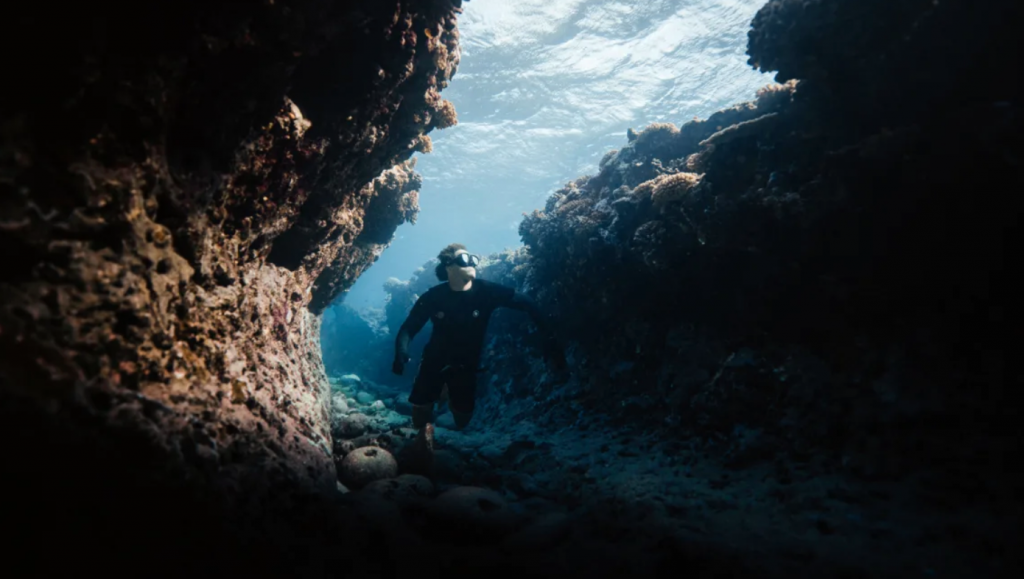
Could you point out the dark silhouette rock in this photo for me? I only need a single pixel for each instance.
(186, 186)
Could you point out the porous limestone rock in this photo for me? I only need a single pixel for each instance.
(402, 489)
(186, 187)
(339, 404)
(365, 465)
(350, 426)
(402, 405)
(468, 510)
(543, 533)
(350, 380)
(342, 448)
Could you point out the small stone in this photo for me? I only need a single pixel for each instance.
(544, 533)
(402, 489)
(350, 426)
(342, 489)
(343, 447)
(446, 421)
(339, 404)
(403, 406)
(448, 465)
(364, 465)
(376, 407)
(350, 380)
(472, 512)
(387, 421)
(364, 398)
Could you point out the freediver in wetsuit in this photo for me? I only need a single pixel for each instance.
(459, 309)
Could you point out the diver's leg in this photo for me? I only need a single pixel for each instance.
(462, 390)
(422, 414)
(426, 389)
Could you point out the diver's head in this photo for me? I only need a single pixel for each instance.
(457, 266)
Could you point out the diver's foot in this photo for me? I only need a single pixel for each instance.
(426, 438)
(418, 457)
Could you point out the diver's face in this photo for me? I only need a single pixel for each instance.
(458, 273)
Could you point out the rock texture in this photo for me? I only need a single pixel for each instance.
(810, 264)
(788, 323)
(366, 465)
(184, 188)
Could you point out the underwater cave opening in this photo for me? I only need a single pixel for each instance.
(767, 353)
(785, 322)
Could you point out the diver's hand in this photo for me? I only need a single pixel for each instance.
(398, 366)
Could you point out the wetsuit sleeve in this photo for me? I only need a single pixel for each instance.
(517, 301)
(413, 324)
(501, 296)
(553, 353)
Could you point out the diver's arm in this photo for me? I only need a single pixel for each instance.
(413, 324)
(521, 303)
(552, 349)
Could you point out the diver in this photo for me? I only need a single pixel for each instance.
(459, 309)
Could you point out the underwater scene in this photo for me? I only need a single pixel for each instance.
(482, 288)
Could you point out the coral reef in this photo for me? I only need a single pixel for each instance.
(391, 199)
(783, 267)
(788, 320)
(184, 189)
(816, 297)
(808, 287)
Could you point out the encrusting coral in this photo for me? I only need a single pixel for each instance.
(187, 186)
(667, 189)
(445, 115)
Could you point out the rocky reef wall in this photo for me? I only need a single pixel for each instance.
(184, 187)
(824, 266)
(789, 325)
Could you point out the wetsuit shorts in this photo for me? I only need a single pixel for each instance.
(433, 376)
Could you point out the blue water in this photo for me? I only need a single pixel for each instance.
(544, 89)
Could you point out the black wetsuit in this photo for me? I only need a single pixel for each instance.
(452, 356)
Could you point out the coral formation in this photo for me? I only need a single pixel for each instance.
(445, 115)
(794, 289)
(671, 188)
(787, 315)
(424, 145)
(786, 320)
(184, 189)
(802, 289)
